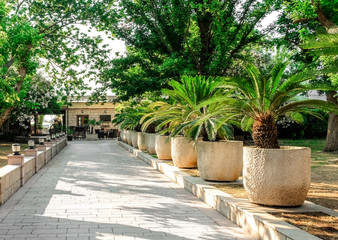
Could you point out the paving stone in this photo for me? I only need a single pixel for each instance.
(97, 190)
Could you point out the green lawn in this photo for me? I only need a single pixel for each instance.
(317, 146)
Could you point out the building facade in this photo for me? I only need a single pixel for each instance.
(80, 113)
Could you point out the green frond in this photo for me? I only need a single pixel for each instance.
(321, 41)
(306, 104)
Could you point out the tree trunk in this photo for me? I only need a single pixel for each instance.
(5, 115)
(331, 143)
(265, 134)
(204, 20)
(330, 26)
(35, 123)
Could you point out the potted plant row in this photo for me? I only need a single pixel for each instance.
(199, 117)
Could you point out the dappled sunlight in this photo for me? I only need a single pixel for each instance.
(103, 197)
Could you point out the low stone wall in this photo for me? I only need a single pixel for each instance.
(13, 176)
(58, 146)
(48, 154)
(54, 150)
(28, 168)
(9, 181)
(41, 160)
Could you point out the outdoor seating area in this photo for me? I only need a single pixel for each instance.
(105, 134)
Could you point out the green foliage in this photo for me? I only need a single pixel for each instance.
(40, 122)
(258, 96)
(129, 117)
(312, 127)
(39, 98)
(194, 110)
(46, 34)
(326, 47)
(169, 39)
(306, 24)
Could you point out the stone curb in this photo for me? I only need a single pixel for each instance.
(254, 219)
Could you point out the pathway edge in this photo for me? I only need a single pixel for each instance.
(255, 222)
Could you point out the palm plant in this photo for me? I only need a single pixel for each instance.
(262, 99)
(129, 118)
(192, 110)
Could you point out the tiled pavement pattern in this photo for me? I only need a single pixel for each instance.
(96, 190)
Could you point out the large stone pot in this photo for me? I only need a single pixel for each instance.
(125, 136)
(122, 134)
(150, 138)
(277, 177)
(183, 153)
(220, 161)
(141, 141)
(134, 136)
(129, 137)
(163, 147)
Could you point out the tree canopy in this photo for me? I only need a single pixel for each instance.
(47, 34)
(167, 39)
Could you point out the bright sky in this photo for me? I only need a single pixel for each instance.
(115, 46)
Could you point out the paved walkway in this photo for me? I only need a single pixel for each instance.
(97, 190)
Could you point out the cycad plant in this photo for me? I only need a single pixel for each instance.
(261, 99)
(192, 110)
(129, 118)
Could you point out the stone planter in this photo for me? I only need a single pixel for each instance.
(183, 153)
(277, 177)
(129, 137)
(220, 161)
(150, 138)
(141, 141)
(134, 136)
(122, 134)
(163, 147)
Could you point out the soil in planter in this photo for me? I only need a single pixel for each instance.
(236, 190)
(316, 223)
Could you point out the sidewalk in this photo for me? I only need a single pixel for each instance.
(96, 190)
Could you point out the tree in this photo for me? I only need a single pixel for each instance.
(262, 98)
(168, 39)
(41, 33)
(307, 17)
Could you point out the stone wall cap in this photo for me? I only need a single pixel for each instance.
(28, 159)
(7, 169)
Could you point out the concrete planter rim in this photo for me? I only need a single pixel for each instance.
(220, 141)
(282, 148)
